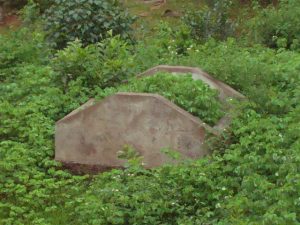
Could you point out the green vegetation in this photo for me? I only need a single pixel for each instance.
(278, 28)
(106, 63)
(193, 96)
(212, 22)
(252, 177)
(86, 20)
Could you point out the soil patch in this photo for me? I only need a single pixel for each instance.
(10, 20)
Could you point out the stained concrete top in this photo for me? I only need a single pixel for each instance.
(94, 134)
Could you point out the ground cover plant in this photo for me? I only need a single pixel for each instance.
(252, 177)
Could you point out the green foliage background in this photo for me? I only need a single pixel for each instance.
(253, 176)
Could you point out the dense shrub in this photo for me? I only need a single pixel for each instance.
(277, 27)
(30, 14)
(193, 96)
(97, 65)
(89, 21)
(212, 22)
(18, 48)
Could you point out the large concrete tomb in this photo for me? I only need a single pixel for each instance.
(93, 134)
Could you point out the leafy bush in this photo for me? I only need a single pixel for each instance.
(21, 47)
(30, 14)
(89, 21)
(192, 95)
(277, 27)
(97, 65)
(174, 41)
(169, 46)
(212, 22)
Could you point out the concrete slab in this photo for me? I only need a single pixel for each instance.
(147, 122)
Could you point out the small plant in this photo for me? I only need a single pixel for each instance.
(97, 65)
(89, 21)
(132, 157)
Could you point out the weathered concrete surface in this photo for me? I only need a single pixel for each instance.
(93, 134)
